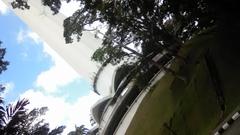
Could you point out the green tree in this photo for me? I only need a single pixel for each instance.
(81, 130)
(17, 120)
(153, 25)
(3, 63)
(12, 116)
(21, 4)
(3, 67)
(138, 22)
(156, 26)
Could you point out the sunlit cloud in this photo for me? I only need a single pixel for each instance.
(25, 34)
(24, 54)
(20, 36)
(69, 8)
(60, 74)
(34, 36)
(60, 111)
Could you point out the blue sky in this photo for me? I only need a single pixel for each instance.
(32, 62)
(22, 58)
(27, 61)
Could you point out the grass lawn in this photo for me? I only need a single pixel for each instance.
(190, 107)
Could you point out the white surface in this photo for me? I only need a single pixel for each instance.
(235, 116)
(225, 126)
(105, 117)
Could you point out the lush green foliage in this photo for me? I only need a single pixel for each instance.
(17, 120)
(3, 66)
(21, 4)
(81, 130)
(154, 25)
(3, 63)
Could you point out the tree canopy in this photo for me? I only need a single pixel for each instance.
(152, 25)
(17, 120)
(3, 63)
(81, 130)
(3, 67)
(155, 26)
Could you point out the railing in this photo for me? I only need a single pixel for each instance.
(226, 124)
(151, 83)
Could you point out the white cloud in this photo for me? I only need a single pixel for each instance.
(60, 74)
(20, 36)
(34, 36)
(61, 112)
(8, 87)
(24, 35)
(3, 8)
(69, 8)
(24, 54)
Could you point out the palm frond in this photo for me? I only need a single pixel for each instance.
(13, 116)
(57, 130)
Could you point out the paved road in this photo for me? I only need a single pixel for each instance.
(234, 129)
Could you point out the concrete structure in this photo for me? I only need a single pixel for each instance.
(78, 55)
(114, 114)
(229, 126)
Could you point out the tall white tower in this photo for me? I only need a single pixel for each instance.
(78, 55)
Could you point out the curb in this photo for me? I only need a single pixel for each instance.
(227, 124)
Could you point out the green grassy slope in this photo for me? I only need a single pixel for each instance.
(190, 107)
